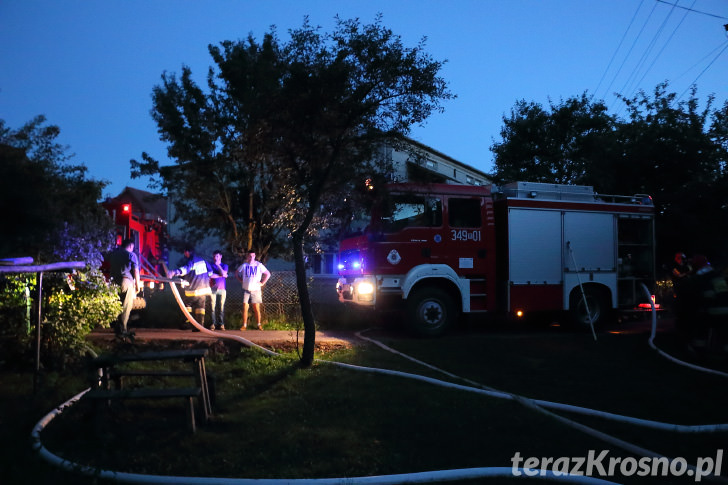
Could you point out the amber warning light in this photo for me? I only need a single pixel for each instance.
(648, 306)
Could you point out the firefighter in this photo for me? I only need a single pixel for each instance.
(197, 272)
(124, 269)
(679, 273)
(680, 267)
(705, 297)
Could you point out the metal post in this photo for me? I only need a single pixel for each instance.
(37, 330)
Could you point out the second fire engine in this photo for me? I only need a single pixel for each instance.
(437, 251)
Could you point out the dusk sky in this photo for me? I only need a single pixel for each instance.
(90, 66)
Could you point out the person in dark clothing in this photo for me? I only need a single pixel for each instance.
(705, 299)
(218, 277)
(680, 267)
(124, 266)
(679, 273)
(197, 272)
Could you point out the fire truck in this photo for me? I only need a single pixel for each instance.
(148, 230)
(438, 251)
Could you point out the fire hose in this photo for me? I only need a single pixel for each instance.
(421, 477)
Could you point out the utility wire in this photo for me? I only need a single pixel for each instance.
(703, 71)
(691, 10)
(665, 45)
(617, 49)
(709, 54)
(643, 59)
(632, 47)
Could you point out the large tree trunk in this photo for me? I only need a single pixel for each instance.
(309, 326)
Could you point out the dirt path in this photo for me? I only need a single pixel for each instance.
(265, 338)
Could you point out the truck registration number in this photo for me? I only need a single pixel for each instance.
(464, 235)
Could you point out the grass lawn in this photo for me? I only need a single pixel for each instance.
(275, 420)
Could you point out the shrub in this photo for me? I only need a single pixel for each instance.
(71, 312)
(16, 316)
(72, 308)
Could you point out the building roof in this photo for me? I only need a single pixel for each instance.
(145, 202)
(465, 166)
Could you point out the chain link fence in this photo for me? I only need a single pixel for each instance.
(280, 297)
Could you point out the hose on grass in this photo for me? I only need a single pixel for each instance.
(421, 477)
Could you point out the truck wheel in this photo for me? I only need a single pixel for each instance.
(595, 301)
(431, 311)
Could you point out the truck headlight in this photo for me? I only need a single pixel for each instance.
(365, 288)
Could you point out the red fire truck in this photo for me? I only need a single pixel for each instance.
(437, 251)
(148, 230)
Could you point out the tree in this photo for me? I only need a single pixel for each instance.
(677, 153)
(345, 94)
(55, 208)
(52, 213)
(289, 132)
(222, 182)
(667, 148)
(558, 145)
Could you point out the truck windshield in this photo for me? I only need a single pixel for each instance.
(411, 211)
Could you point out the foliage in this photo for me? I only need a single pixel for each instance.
(72, 307)
(70, 314)
(223, 182)
(665, 147)
(55, 217)
(288, 132)
(51, 199)
(558, 145)
(17, 316)
(672, 150)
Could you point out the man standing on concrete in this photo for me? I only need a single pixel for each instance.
(253, 275)
(218, 276)
(125, 273)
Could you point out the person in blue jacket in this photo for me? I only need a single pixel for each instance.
(197, 273)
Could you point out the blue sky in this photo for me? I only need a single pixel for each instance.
(90, 66)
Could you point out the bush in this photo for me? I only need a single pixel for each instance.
(71, 313)
(16, 317)
(72, 308)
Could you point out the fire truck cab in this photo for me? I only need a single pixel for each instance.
(439, 250)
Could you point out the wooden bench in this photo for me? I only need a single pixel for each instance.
(188, 393)
(117, 375)
(112, 368)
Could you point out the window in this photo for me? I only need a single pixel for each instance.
(464, 212)
(473, 181)
(408, 210)
(329, 263)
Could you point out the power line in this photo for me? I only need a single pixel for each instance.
(703, 71)
(631, 47)
(643, 59)
(709, 54)
(665, 45)
(692, 10)
(617, 49)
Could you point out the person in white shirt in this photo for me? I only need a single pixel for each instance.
(253, 275)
